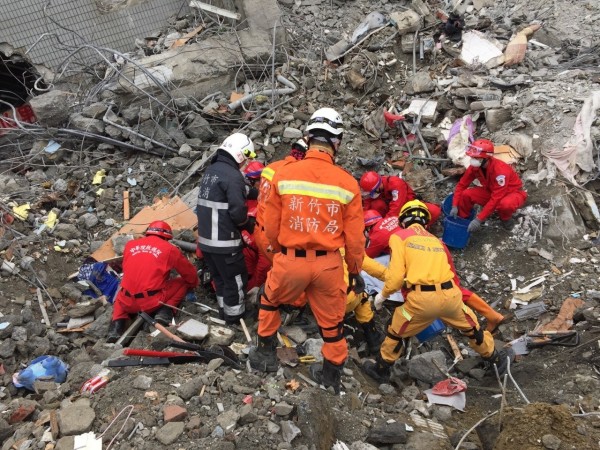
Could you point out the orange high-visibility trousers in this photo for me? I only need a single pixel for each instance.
(322, 279)
(476, 303)
(422, 308)
(263, 243)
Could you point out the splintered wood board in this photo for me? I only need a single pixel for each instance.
(172, 210)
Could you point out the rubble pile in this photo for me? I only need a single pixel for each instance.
(523, 74)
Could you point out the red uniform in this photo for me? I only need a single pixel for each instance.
(379, 237)
(147, 263)
(396, 192)
(257, 264)
(501, 190)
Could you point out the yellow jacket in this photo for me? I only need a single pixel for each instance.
(417, 257)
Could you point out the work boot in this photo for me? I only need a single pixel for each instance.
(263, 357)
(164, 316)
(115, 330)
(509, 224)
(500, 359)
(373, 336)
(327, 374)
(379, 370)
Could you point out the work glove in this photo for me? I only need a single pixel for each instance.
(454, 211)
(248, 225)
(355, 283)
(251, 193)
(475, 225)
(478, 335)
(378, 302)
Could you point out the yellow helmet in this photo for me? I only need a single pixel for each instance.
(415, 211)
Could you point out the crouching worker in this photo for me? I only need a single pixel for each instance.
(146, 284)
(419, 259)
(361, 306)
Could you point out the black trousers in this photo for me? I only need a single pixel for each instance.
(231, 276)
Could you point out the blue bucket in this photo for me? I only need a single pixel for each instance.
(436, 328)
(447, 207)
(455, 232)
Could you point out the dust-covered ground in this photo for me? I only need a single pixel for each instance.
(218, 407)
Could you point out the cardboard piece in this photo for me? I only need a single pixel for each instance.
(172, 210)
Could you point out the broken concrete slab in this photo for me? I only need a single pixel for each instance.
(196, 70)
(193, 329)
(76, 418)
(407, 21)
(52, 108)
(220, 335)
(480, 49)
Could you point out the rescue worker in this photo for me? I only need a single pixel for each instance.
(297, 153)
(501, 188)
(361, 306)
(252, 172)
(314, 209)
(378, 232)
(388, 194)
(257, 264)
(418, 259)
(222, 215)
(146, 284)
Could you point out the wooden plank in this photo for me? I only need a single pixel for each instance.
(186, 37)
(43, 307)
(172, 210)
(54, 428)
(454, 346)
(126, 212)
(215, 9)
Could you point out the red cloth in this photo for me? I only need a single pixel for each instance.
(147, 264)
(256, 263)
(501, 190)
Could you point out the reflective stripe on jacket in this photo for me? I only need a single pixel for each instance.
(221, 206)
(316, 205)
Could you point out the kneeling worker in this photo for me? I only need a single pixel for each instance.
(419, 259)
(146, 284)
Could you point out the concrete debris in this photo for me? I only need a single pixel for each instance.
(149, 120)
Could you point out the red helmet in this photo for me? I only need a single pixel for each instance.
(161, 229)
(370, 182)
(481, 148)
(253, 170)
(371, 217)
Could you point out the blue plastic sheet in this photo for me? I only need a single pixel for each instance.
(46, 367)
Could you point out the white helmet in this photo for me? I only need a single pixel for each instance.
(326, 119)
(239, 146)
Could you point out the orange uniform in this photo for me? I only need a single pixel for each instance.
(314, 209)
(266, 179)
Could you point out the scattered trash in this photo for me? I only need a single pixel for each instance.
(516, 48)
(43, 367)
(96, 383)
(478, 48)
